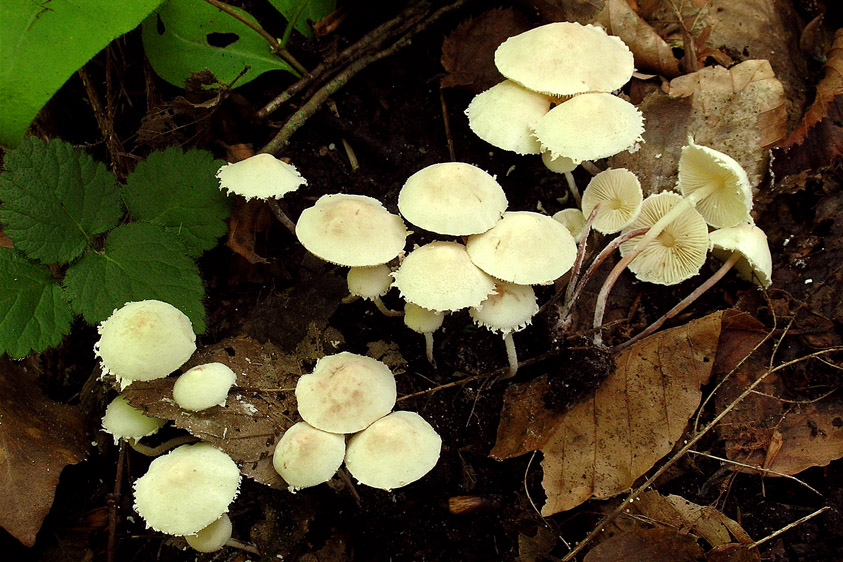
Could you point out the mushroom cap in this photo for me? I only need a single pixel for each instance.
(144, 340)
(213, 537)
(351, 230)
(346, 393)
(678, 252)
(452, 198)
(756, 265)
(306, 456)
(187, 489)
(525, 248)
(509, 309)
(505, 116)
(701, 167)
(590, 126)
(566, 58)
(573, 220)
(440, 276)
(619, 195)
(126, 422)
(422, 320)
(261, 176)
(396, 450)
(558, 164)
(369, 282)
(203, 386)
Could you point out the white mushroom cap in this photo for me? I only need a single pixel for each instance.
(505, 116)
(590, 126)
(558, 164)
(573, 220)
(509, 309)
(396, 450)
(345, 393)
(203, 386)
(306, 456)
(703, 168)
(213, 537)
(351, 230)
(678, 252)
(261, 176)
(756, 265)
(369, 282)
(144, 340)
(422, 320)
(187, 489)
(525, 248)
(619, 195)
(440, 276)
(452, 198)
(566, 58)
(125, 422)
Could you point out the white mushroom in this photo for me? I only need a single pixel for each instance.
(125, 422)
(306, 456)
(505, 116)
(261, 176)
(203, 386)
(213, 537)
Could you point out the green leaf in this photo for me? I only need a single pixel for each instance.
(43, 42)
(179, 41)
(179, 191)
(34, 314)
(140, 261)
(314, 11)
(55, 198)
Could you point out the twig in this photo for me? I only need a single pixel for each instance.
(163, 447)
(273, 43)
(114, 503)
(444, 386)
(786, 528)
(338, 82)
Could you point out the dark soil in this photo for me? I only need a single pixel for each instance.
(392, 115)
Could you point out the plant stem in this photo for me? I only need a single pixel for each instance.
(384, 310)
(684, 303)
(428, 348)
(572, 185)
(511, 355)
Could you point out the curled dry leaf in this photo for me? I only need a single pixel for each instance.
(601, 445)
(656, 544)
(38, 438)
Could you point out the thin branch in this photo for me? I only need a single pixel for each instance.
(765, 471)
(786, 528)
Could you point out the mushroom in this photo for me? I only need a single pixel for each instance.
(509, 309)
(213, 537)
(144, 340)
(125, 422)
(589, 127)
(351, 230)
(505, 116)
(203, 386)
(525, 248)
(440, 276)
(187, 489)
(396, 450)
(566, 166)
(371, 283)
(306, 456)
(573, 220)
(425, 322)
(617, 195)
(452, 198)
(565, 58)
(743, 247)
(345, 393)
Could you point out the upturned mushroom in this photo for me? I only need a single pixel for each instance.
(123, 421)
(617, 196)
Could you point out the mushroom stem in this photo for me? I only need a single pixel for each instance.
(279, 213)
(384, 310)
(575, 271)
(511, 355)
(163, 447)
(428, 348)
(684, 303)
(683, 205)
(572, 185)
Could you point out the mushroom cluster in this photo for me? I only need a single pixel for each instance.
(350, 394)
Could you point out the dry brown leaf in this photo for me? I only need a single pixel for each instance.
(651, 52)
(468, 51)
(647, 545)
(247, 219)
(38, 438)
(600, 446)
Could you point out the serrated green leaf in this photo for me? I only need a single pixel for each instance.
(55, 198)
(314, 11)
(140, 261)
(43, 43)
(179, 41)
(34, 314)
(179, 191)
